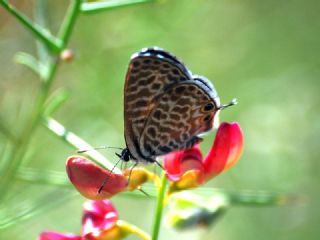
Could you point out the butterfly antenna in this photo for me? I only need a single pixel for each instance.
(159, 165)
(233, 102)
(144, 192)
(107, 178)
(97, 148)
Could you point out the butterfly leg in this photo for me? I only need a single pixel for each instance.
(136, 163)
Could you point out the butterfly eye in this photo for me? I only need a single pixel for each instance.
(207, 107)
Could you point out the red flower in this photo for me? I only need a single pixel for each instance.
(188, 169)
(58, 236)
(88, 177)
(99, 223)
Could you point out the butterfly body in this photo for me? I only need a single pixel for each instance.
(165, 106)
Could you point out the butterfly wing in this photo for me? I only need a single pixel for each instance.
(183, 111)
(151, 72)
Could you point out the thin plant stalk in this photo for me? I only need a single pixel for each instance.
(159, 208)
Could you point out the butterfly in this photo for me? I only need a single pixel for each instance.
(166, 107)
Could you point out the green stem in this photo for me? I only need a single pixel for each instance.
(78, 143)
(95, 7)
(127, 228)
(42, 34)
(69, 21)
(159, 208)
(259, 198)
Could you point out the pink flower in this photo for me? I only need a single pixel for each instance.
(87, 177)
(58, 236)
(99, 223)
(188, 169)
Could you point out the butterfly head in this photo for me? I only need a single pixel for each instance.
(125, 155)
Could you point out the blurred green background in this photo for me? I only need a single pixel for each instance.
(264, 53)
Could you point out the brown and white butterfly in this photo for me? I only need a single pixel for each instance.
(166, 107)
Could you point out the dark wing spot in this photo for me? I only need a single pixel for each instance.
(163, 71)
(191, 88)
(145, 73)
(184, 101)
(175, 116)
(141, 103)
(150, 79)
(155, 86)
(185, 109)
(208, 107)
(164, 116)
(136, 63)
(165, 99)
(157, 114)
(144, 92)
(147, 61)
(175, 72)
(152, 132)
(172, 78)
(184, 136)
(164, 149)
(180, 89)
(165, 65)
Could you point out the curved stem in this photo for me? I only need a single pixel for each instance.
(94, 7)
(159, 208)
(42, 34)
(128, 228)
(69, 21)
(78, 143)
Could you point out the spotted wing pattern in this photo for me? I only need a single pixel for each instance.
(184, 111)
(161, 95)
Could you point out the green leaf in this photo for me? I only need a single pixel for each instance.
(94, 7)
(4, 129)
(13, 212)
(29, 61)
(78, 143)
(56, 100)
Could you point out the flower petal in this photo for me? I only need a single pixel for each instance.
(226, 150)
(190, 179)
(48, 235)
(87, 177)
(99, 217)
(177, 163)
(138, 176)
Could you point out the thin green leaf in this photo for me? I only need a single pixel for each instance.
(5, 130)
(94, 7)
(69, 21)
(78, 143)
(29, 61)
(56, 100)
(36, 176)
(42, 34)
(13, 212)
